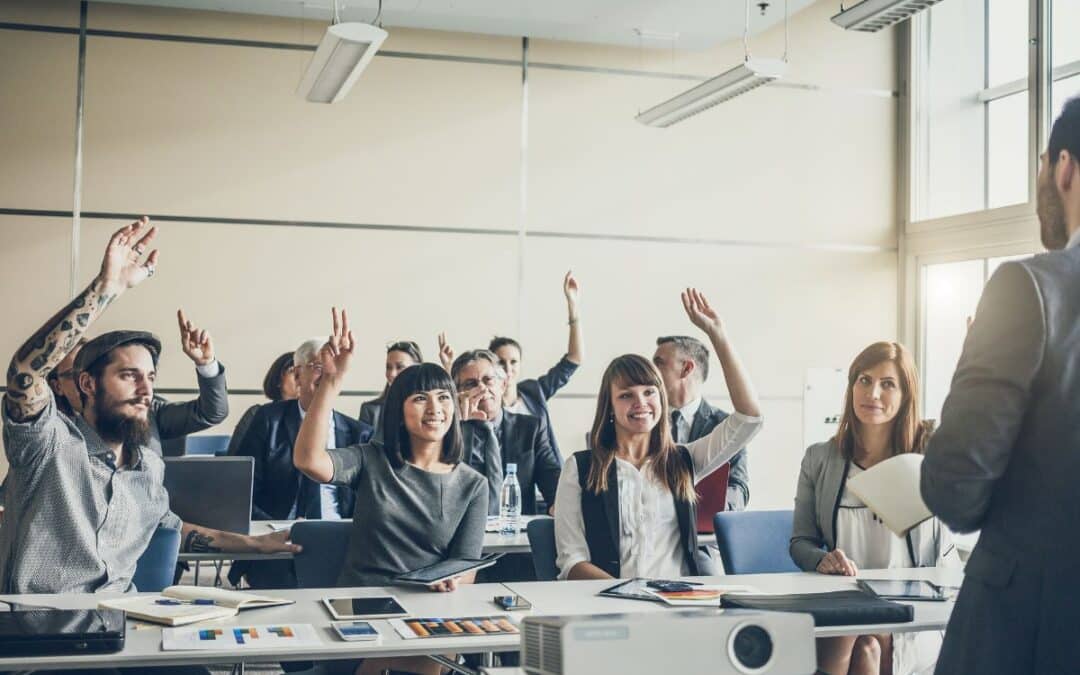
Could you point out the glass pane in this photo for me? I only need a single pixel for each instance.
(1066, 17)
(952, 142)
(951, 294)
(1007, 151)
(1007, 52)
(973, 153)
(1065, 54)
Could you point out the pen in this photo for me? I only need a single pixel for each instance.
(197, 601)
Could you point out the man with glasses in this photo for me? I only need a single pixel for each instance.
(281, 492)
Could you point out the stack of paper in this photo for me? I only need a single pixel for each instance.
(180, 605)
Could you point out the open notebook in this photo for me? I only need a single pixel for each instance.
(180, 605)
(891, 490)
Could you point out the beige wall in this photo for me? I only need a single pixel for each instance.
(216, 132)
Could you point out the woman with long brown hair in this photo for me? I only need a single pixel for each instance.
(627, 507)
(835, 533)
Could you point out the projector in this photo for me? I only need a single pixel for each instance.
(719, 642)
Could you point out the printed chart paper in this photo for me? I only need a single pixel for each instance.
(465, 626)
(220, 638)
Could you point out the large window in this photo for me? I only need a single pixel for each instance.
(951, 292)
(973, 130)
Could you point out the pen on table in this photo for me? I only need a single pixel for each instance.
(197, 601)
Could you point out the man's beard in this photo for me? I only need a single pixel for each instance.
(132, 432)
(1051, 212)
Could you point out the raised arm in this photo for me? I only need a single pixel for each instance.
(575, 350)
(702, 315)
(446, 352)
(212, 406)
(27, 391)
(309, 451)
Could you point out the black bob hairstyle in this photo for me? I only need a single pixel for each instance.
(412, 380)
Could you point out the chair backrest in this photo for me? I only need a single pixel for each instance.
(541, 533)
(325, 543)
(754, 542)
(206, 445)
(156, 566)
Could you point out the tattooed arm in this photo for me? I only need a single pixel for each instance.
(198, 539)
(27, 390)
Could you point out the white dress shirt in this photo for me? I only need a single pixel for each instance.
(687, 414)
(649, 537)
(328, 501)
(1074, 240)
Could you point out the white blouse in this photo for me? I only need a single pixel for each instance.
(649, 538)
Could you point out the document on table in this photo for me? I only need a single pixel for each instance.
(466, 626)
(215, 638)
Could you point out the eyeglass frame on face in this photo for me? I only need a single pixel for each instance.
(71, 372)
(314, 365)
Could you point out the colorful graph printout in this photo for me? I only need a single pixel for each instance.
(190, 638)
(466, 626)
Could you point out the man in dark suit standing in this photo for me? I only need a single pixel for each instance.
(281, 492)
(683, 363)
(1006, 458)
(495, 437)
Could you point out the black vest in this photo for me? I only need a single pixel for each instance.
(600, 511)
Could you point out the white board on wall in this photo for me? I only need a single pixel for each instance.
(823, 403)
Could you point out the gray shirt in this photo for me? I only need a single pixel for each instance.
(73, 523)
(407, 518)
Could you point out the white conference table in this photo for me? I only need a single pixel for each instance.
(143, 647)
(493, 543)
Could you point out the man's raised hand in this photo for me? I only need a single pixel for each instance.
(121, 268)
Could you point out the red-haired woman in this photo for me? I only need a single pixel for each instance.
(626, 508)
(835, 533)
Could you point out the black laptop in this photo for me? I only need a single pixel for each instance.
(211, 491)
(50, 632)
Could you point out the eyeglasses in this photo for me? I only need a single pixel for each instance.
(316, 367)
(67, 374)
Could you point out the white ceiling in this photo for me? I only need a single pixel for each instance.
(679, 24)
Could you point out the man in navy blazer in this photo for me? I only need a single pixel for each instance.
(281, 491)
(1006, 458)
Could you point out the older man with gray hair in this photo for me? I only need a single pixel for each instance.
(281, 492)
(683, 363)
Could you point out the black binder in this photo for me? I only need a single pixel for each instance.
(837, 608)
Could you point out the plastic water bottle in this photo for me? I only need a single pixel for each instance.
(510, 503)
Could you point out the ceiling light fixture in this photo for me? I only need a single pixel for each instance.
(870, 16)
(750, 74)
(343, 53)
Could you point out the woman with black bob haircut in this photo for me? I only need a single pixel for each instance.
(417, 503)
(627, 507)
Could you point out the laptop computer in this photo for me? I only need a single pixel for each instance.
(211, 491)
(712, 497)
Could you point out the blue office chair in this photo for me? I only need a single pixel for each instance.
(754, 542)
(206, 445)
(541, 533)
(325, 543)
(156, 566)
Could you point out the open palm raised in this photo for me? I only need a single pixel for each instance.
(701, 313)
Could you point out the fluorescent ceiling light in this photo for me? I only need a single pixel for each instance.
(748, 75)
(342, 55)
(871, 16)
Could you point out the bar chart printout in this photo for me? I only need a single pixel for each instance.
(194, 638)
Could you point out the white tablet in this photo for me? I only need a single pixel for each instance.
(371, 607)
